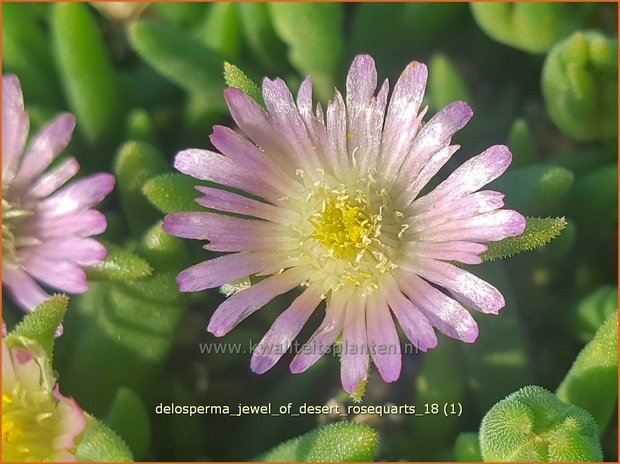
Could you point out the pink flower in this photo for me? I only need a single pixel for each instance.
(38, 422)
(45, 228)
(341, 214)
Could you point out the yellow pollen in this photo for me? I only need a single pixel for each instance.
(345, 226)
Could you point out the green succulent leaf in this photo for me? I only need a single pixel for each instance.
(120, 265)
(162, 250)
(532, 424)
(592, 382)
(467, 447)
(87, 75)
(236, 78)
(180, 58)
(260, 36)
(312, 32)
(521, 144)
(99, 443)
(129, 327)
(26, 52)
(136, 163)
(445, 82)
(538, 232)
(532, 27)
(221, 29)
(594, 309)
(173, 192)
(41, 324)
(342, 442)
(129, 418)
(535, 190)
(580, 86)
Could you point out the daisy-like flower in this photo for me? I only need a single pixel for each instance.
(337, 207)
(38, 422)
(45, 228)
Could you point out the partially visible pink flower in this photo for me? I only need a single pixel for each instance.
(39, 424)
(341, 213)
(46, 224)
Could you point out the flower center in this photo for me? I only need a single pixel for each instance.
(12, 216)
(346, 225)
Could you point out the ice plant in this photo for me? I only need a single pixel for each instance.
(337, 207)
(45, 225)
(38, 422)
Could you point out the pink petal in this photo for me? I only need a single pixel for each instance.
(61, 275)
(211, 166)
(354, 362)
(383, 342)
(447, 315)
(289, 125)
(464, 252)
(26, 292)
(227, 268)
(492, 226)
(15, 125)
(55, 178)
(77, 224)
(81, 251)
(284, 329)
(226, 233)
(435, 135)
(246, 154)
(464, 286)
(472, 175)
(254, 121)
(324, 336)
(224, 200)
(45, 148)
(402, 122)
(464, 207)
(73, 421)
(337, 134)
(79, 195)
(241, 305)
(314, 125)
(415, 325)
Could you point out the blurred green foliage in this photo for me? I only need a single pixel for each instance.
(145, 89)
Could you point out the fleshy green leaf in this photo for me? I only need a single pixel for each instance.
(120, 265)
(342, 442)
(521, 144)
(440, 380)
(594, 309)
(535, 190)
(129, 418)
(163, 251)
(87, 74)
(534, 425)
(136, 163)
(173, 192)
(185, 15)
(445, 82)
(221, 29)
(592, 382)
(312, 32)
(594, 200)
(580, 85)
(127, 327)
(26, 52)
(538, 232)
(260, 36)
(41, 324)
(501, 351)
(532, 27)
(467, 447)
(99, 443)
(180, 58)
(234, 77)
